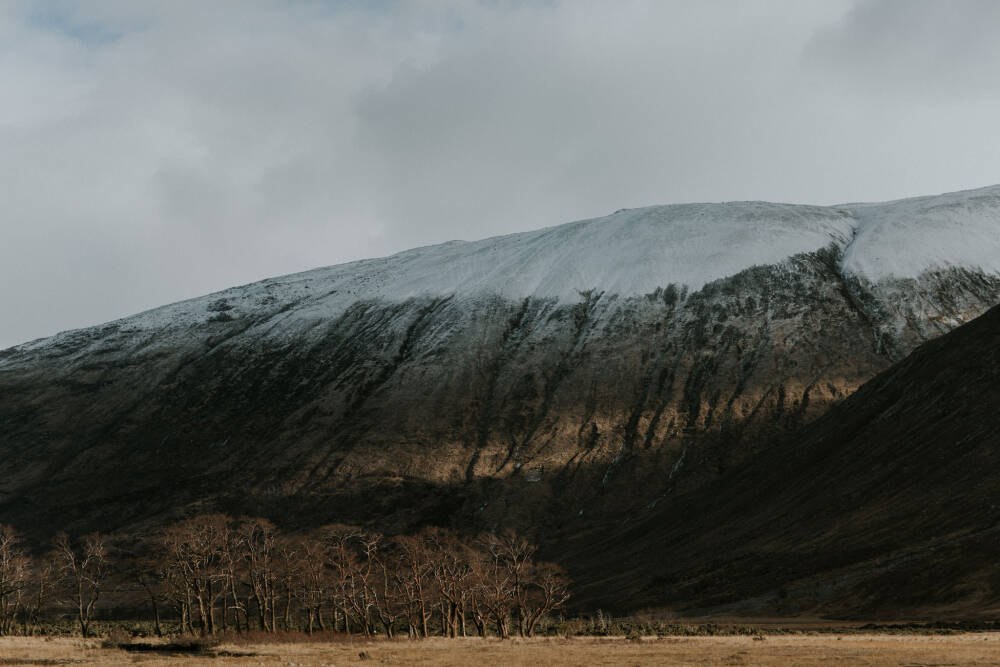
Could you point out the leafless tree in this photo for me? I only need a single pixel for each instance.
(361, 582)
(141, 567)
(516, 554)
(258, 539)
(416, 569)
(546, 589)
(454, 574)
(15, 573)
(366, 581)
(288, 574)
(234, 572)
(38, 591)
(195, 549)
(495, 589)
(340, 541)
(314, 580)
(86, 568)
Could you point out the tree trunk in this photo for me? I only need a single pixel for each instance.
(225, 609)
(156, 615)
(453, 620)
(261, 612)
(201, 612)
(211, 609)
(236, 606)
(502, 626)
(80, 611)
(288, 606)
(347, 621)
(190, 609)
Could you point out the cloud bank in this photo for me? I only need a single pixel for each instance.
(151, 152)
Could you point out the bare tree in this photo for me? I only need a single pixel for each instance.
(234, 570)
(86, 567)
(174, 579)
(479, 612)
(195, 549)
(38, 591)
(361, 573)
(314, 580)
(340, 541)
(142, 569)
(387, 594)
(545, 590)
(288, 574)
(516, 554)
(416, 569)
(15, 571)
(454, 574)
(495, 589)
(372, 583)
(258, 541)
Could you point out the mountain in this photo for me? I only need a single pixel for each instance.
(556, 381)
(886, 506)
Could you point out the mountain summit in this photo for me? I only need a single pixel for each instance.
(634, 252)
(555, 381)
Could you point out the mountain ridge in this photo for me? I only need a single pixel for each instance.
(850, 227)
(311, 398)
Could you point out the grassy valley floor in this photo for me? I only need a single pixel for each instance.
(801, 649)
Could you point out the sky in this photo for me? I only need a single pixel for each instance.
(152, 151)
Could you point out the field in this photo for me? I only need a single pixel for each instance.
(801, 649)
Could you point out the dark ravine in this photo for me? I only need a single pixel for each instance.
(562, 418)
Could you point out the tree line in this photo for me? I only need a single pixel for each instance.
(213, 573)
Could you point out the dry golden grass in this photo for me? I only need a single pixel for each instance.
(965, 649)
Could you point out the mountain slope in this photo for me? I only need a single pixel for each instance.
(885, 506)
(552, 380)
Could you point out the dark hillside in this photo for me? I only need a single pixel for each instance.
(888, 505)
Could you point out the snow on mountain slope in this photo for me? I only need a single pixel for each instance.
(904, 238)
(629, 253)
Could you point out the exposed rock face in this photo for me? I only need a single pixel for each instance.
(552, 380)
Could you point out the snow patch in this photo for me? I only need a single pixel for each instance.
(627, 253)
(905, 238)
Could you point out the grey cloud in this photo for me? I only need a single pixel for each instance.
(925, 48)
(157, 151)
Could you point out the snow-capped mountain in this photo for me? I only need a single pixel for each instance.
(564, 375)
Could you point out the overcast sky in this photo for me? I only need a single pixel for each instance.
(155, 151)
